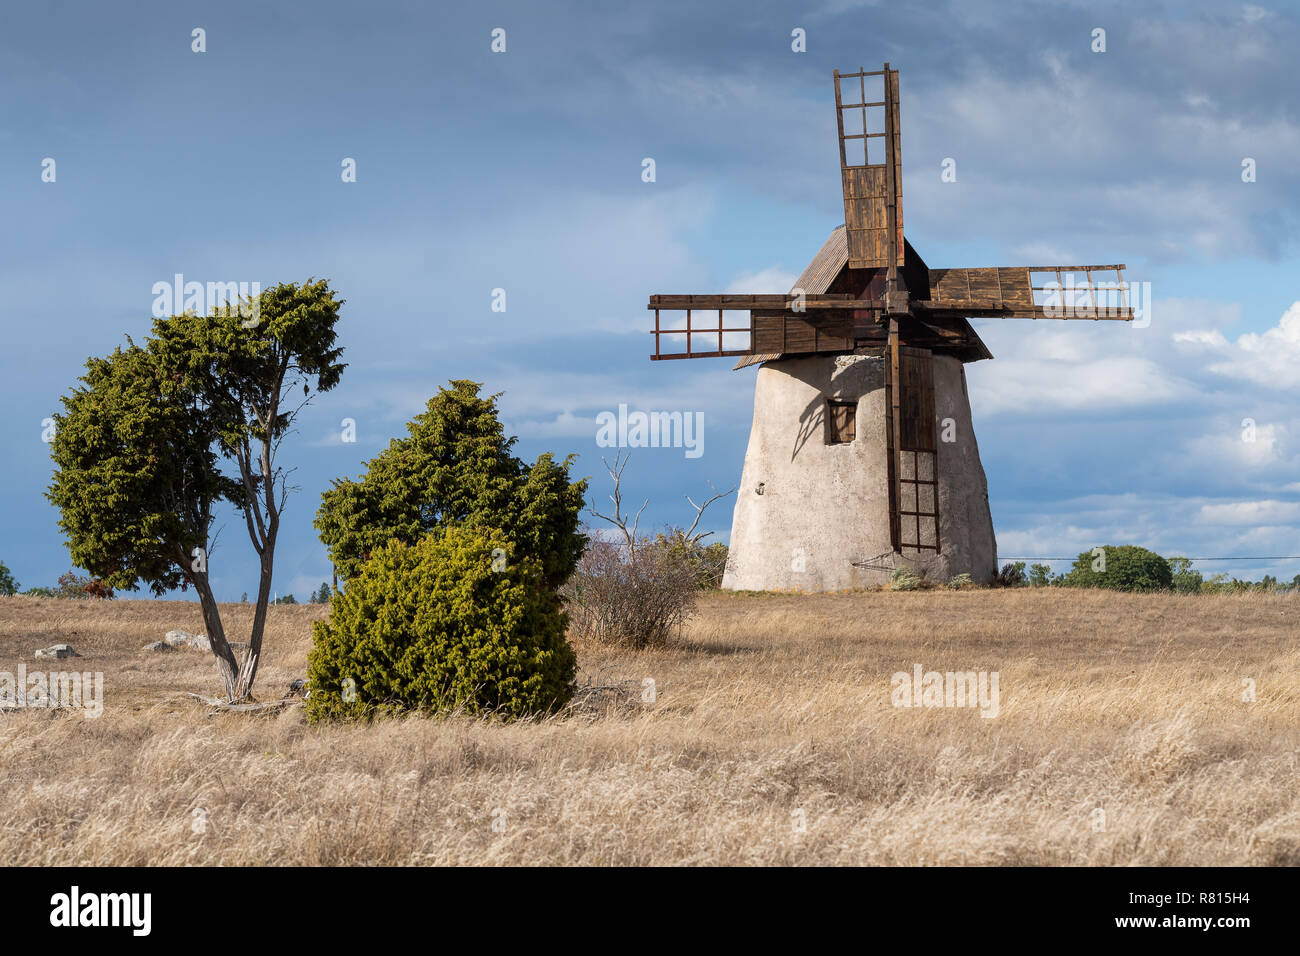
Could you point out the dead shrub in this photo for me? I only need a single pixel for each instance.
(637, 596)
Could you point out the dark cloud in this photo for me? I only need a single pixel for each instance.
(523, 171)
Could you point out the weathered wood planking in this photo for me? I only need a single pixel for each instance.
(864, 216)
(916, 398)
(787, 332)
(999, 285)
(866, 188)
(991, 290)
(898, 164)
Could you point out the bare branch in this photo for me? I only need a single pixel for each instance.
(619, 520)
(689, 535)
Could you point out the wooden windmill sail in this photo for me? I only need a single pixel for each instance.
(868, 293)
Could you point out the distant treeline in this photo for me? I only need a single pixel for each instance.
(1131, 568)
(75, 586)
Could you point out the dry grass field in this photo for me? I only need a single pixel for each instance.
(772, 740)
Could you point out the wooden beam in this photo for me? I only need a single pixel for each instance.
(776, 302)
(895, 435)
(696, 355)
(1054, 268)
(891, 188)
(836, 302)
(726, 302)
(839, 119)
(989, 309)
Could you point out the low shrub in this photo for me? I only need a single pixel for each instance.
(709, 561)
(449, 623)
(903, 579)
(1012, 575)
(638, 597)
(78, 587)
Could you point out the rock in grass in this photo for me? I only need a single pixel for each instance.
(186, 639)
(58, 651)
(158, 646)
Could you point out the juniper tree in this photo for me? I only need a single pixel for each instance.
(456, 467)
(8, 586)
(139, 448)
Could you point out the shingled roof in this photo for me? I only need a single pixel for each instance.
(826, 265)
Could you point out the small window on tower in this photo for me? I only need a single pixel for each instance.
(841, 426)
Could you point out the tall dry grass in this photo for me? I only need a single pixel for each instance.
(772, 740)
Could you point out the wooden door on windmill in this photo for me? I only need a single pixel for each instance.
(918, 479)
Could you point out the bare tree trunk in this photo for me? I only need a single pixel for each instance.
(259, 615)
(262, 530)
(221, 649)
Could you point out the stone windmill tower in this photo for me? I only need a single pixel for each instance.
(862, 457)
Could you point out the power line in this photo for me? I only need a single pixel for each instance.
(1284, 557)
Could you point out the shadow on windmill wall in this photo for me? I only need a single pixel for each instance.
(853, 377)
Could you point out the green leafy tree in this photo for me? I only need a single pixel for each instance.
(455, 467)
(8, 586)
(1040, 575)
(442, 625)
(323, 595)
(138, 450)
(1121, 568)
(1183, 578)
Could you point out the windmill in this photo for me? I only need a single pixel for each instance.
(862, 457)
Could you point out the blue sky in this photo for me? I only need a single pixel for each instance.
(522, 170)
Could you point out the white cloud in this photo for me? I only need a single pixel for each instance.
(563, 424)
(1044, 383)
(1234, 443)
(1097, 366)
(773, 279)
(566, 403)
(1211, 337)
(1043, 253)
(1251, 513)
(1270, 358)
(1048, 540)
